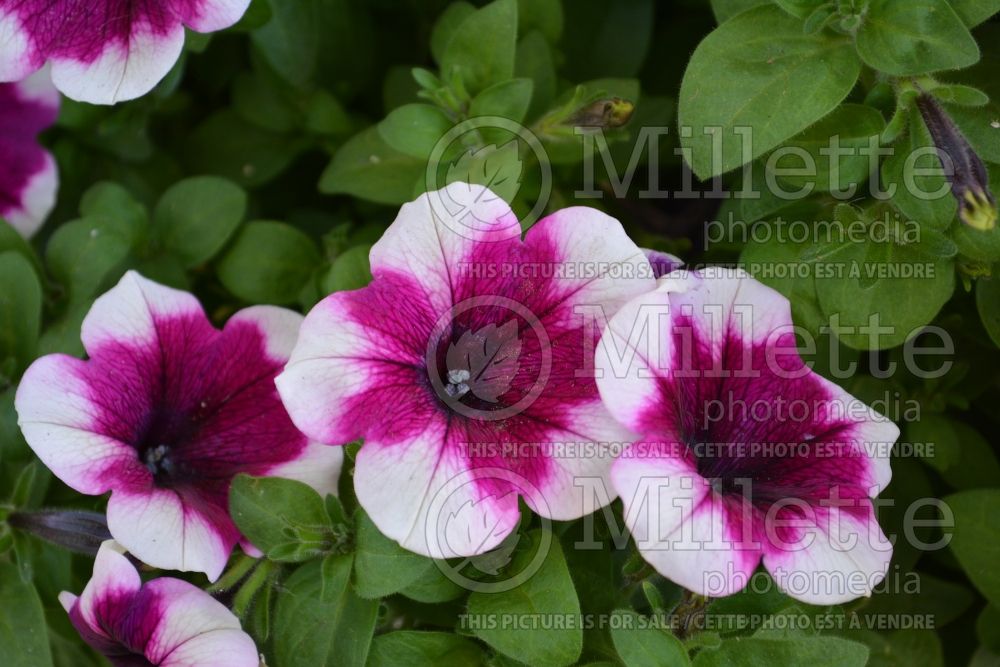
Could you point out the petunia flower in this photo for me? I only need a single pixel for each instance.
(746, 455)
(165, 622)
(466, 368)
(166, 411)
(28, 175)
(104, 51)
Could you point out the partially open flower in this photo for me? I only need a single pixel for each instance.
(104, 51)
(466, 367)
(28, 176)
(746, 454)
(164, 414)
(165, 622)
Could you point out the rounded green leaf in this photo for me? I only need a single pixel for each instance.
(269, 262)
(20, 314)
(759, 71)
(976, 538)
(195, 217)
(369, 168)
(907, 38)
(413, 129)
(641, 645)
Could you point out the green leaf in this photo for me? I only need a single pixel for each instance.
(907, 38)
(938, 431)
(988, 304)
(276, 514)
(381, 566)
(546, 16)
(447, 25)
(414, 129)
(195, 217)
(855, 124)
(641, 645)
(727, 9)
(481, 49)
(226, 145)
(791, 652)
(974, 12)
(433, 586)
(508, 99)
(86, 255)
(350, 270)
(548, 591)
(800, 8)
(24, 640)
(20, 315)
(976, 538)
(977, 465)
(111, 200)
(904, 648)
(319, 621)
(880, 278)
(269, 262)
(424, 649)
(369, 168)
(497, 167)
(759, 70)
(964, 96)
(535, 61)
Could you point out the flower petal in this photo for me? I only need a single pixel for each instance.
(28, 174)
(103, 52)
(61, 424)
(356, 368)
(683, 528)
(114, 579)
(131, 311)
(166, 531)
(218, 648)
(838, 555)
(423, 494)
(433, 238)
(186, 612)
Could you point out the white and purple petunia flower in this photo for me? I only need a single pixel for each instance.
(166, 411)
(104, 51)
(467, 368)
(28, 175)
(165, 622)
(745, 455)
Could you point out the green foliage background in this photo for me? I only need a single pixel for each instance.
(271, 158)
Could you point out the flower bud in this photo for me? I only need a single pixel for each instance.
(969, 180)
(607, 114)
(77, 531)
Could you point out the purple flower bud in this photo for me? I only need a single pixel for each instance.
(968, 178)
(78, 531)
